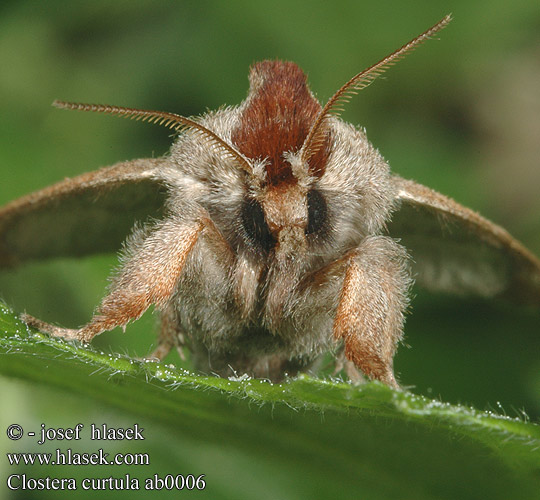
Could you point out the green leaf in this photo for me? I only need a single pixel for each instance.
(339, 440)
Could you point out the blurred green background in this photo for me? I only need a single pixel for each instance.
(461, 115)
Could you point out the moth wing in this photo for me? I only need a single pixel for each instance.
(454, 249)
(91, 213)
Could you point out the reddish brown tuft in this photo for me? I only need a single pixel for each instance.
(279, 114)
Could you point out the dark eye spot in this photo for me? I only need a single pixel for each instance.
(317, 212)
(255, 225)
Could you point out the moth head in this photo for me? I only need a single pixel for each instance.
(285, 220)
(286, 131)
(282, 143)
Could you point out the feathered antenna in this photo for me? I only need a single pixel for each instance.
(169, 120)
(317, 135)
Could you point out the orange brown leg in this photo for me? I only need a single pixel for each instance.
(148, 277)
(370, 314)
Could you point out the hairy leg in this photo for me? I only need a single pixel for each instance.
(370, 314)
(151, 268)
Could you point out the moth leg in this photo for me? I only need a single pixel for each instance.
(353, 373)
(151, 269)
(165, 344)
(370, 314)
(169, 336)
(148, 277)
(55, 331)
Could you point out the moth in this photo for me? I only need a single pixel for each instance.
(278, 233)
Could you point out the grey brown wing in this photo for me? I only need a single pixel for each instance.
(454, 249)
(91, 213)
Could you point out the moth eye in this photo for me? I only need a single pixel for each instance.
(255, 225)
(316, 205)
